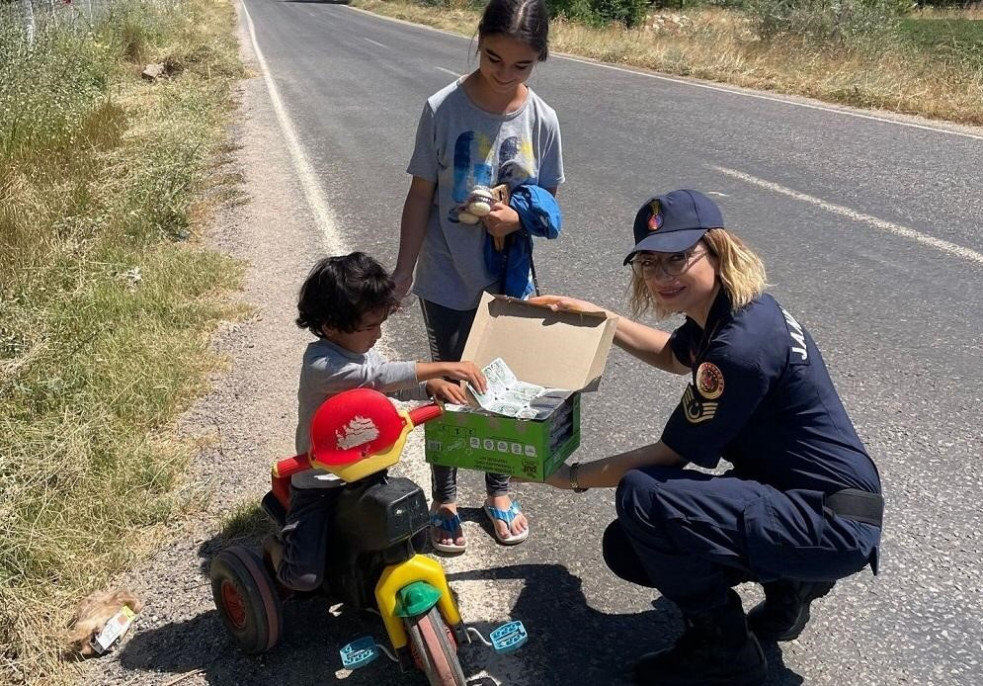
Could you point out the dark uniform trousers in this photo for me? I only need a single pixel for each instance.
(693, 535)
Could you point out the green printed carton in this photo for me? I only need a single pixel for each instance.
(565, 351)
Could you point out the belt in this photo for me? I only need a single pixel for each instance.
(860, 506)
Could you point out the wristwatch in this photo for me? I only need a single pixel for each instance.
(574, 484)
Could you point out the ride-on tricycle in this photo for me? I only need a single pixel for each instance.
(371, 563)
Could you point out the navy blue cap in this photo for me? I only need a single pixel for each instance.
(674, 222)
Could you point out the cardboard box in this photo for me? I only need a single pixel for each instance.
(557, 350)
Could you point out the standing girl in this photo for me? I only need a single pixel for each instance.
(485, 129)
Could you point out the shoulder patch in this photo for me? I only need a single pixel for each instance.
(695, 409)
(709, 381)
(797, 338)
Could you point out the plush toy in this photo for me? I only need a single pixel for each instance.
(479, 204)
(92, 616)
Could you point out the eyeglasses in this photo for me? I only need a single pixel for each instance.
(648, 266)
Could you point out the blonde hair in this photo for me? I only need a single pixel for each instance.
(739, 269)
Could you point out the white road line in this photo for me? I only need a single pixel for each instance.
(374, 42)
(897, 229)
(448, 71)
(334, 244)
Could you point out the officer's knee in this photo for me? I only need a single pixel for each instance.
(620, 555)
(626, 497)
(634, 498)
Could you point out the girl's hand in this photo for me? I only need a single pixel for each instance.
(404, 280)
(561, 303)
(502, 220)
(447, 391)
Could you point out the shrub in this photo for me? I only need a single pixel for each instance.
(826, 20)
(593, 12)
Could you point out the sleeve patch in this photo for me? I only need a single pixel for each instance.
(697, 410)
(709, 381)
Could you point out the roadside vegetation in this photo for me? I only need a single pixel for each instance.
(107, 298)
(885, 54)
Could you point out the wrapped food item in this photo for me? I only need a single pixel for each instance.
(480, 203)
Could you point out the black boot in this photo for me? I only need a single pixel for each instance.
(716, 648)
(785, 610)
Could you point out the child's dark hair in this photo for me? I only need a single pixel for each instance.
(524, 20)
(339, 291)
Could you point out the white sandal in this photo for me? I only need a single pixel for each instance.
(506, 516)
(452, 524)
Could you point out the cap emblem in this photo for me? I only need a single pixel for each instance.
(655, 219)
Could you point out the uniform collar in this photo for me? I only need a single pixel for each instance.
(719, 310)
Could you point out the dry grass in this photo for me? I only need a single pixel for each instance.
(719, 45)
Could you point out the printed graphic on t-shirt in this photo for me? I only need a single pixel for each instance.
(474, 165)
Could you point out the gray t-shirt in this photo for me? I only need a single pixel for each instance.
(460, 146)
(329, 369)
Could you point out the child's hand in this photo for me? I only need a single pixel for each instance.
(465, 371)
(403, 280)
(447, 391)
(502, 220)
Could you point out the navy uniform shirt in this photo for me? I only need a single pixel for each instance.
(760, 397)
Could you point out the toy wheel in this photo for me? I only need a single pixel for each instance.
(434, 649)
(247, 599)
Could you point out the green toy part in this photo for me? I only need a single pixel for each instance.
(416, 599)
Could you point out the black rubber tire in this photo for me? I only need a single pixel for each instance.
(247, 599)
(432, 643)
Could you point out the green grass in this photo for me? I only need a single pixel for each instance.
(246, 521)
(107, 299)
(951, 39)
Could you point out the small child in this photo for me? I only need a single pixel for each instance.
(344, 302)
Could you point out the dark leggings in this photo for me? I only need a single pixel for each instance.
(447, 331)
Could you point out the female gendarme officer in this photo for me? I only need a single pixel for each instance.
(802, 506)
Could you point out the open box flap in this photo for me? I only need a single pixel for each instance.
(553, 349)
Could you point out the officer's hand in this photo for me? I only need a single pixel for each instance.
(560, 478)
(562, 303)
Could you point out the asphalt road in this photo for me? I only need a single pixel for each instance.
(872, 230)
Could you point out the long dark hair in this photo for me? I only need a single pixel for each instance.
(524, 20)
